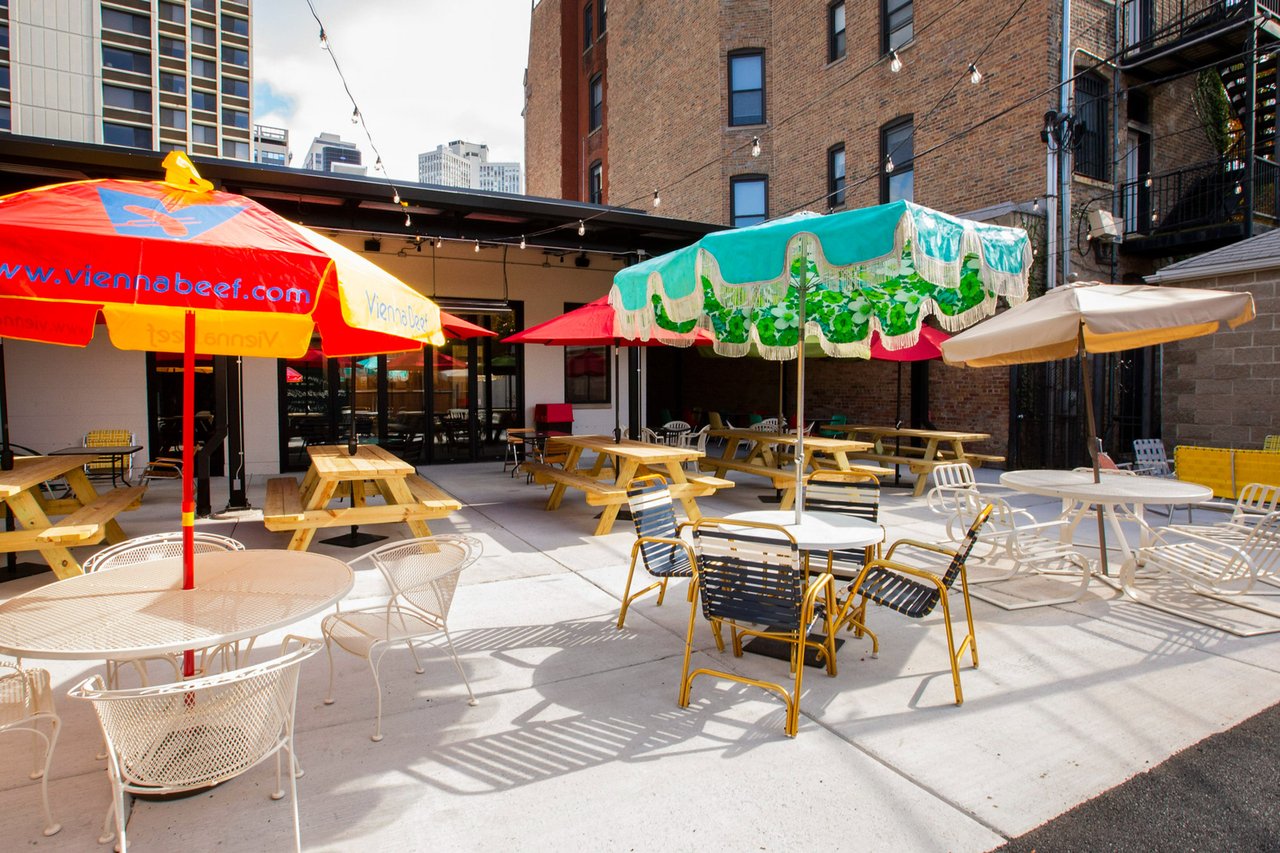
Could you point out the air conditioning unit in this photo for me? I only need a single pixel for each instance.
(1103, 226)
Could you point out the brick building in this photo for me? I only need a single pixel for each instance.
(737, 112)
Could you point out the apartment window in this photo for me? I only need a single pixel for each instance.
(6, 117)
(173, 118)
(586, 372)
(235, 118)
(126, 134)
(748, 199)
(588, 26)
(173, 13)
(604, 12)
(232, 24)
(205, 5)
(596, 110)
(126, 60)
(204, 68)
(175, 83)
(114, 19)
(172, 47)
(896, 24)
(235, 150)
(835, 32)
(1091, 127)
(235, 56)
(835, 175)
(206, 101)
(897, 144)
(746, 88)
(4, 77)
(204, 134)
(204, 35)
(595, 183)
(4, 36)
(235, 87)
(126, 99)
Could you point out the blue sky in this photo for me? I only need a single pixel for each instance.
(424, 72)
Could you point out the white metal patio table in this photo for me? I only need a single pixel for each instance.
(142, 610)
(818, 531)
(1118, 495)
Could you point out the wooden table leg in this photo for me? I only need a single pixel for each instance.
(930, 455)
(321, 493)
(691, 511)
(28, 513)
(609, 513)
(87, 494)
(397, 493)
(557, 491)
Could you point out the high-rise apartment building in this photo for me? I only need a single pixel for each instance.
(329, 153)
(271, 145)
(1121, 134)
(466, 164)
(154, 75)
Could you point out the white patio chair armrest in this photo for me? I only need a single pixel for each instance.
(290, 639)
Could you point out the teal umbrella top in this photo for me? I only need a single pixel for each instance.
(879, 268)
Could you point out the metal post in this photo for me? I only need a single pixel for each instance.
(1250, 126)
(799, 460)
(1064, 154)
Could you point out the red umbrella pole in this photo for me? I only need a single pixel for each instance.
(188, 469)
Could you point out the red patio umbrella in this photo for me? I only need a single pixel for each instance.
(175, 266)
(592, 326)
(460, 330)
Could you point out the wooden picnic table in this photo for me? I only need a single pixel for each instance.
(940, 447)
(764, 458)
(628, 458)
(334, 473)
(90, 517)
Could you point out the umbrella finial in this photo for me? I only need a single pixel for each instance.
(180, 172)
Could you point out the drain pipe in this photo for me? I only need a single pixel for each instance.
(1064, 156)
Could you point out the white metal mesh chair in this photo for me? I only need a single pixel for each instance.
(26, 701)
(1255, 502)
(197, 733)
(161, 546)
(423, 576)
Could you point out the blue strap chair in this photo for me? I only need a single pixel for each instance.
(658, 541)
(914, 592)
(751, 577)
(849, 493)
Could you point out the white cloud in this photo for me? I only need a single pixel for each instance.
(424, 72)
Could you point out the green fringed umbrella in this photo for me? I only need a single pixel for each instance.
(837, 277)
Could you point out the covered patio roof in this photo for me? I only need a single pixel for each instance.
(364, 204)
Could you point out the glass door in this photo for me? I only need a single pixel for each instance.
(164, 391)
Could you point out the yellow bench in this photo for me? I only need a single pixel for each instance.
(283, 509)
(779, 477)
(87, 525)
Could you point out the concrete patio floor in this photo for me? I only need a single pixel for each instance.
(577, 741)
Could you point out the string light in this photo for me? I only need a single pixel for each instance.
(975, 76)
(324, 40)
(582, 228)
(1035, 206)
(1239, 189)
(657, 199)
(477, 245)
(895, 64)
(377, 165)
(888, 165)
(395, 197)
(439, 242)
(522, 242)
(407, 220)
(355, 116)
(755, 146)
(1147, 183)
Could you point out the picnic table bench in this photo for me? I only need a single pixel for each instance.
(771, 455)
(89, 515)
(940, 447)
(408, 497)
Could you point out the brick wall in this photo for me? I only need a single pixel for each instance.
(1223, 390)
(542, 113)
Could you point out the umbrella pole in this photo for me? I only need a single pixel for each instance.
(617, 403)
(800, 458)
(6, 452)
(188, 470)
(1094, 448)
(351, 406)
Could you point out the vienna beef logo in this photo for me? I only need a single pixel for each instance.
(135, 215)
(411, 321)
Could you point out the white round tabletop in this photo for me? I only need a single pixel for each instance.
(818, 531)
(1113, 488)
(142, 610)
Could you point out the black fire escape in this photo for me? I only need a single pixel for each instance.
(1199, 206)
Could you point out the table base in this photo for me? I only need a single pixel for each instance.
(771, 648)
(352, 539)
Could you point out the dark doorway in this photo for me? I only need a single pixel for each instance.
(164, 408)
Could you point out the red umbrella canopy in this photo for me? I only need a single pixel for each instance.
(928, 347)
(589, 326)
(460, 330)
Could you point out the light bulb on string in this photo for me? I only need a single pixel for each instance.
(377, 165)
(888, 165)
(657, 199)
(582, 228)
(975, 76)
(895, 64)
(755, 146)
(1035, 206)
(439, 242)
(407, 220)
(355, 115)
(522, 241)
(477, 245)
(324, 40)
(395, 196)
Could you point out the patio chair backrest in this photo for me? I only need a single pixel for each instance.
(717, 422)
(650, 436)
(749, 573)
(847, 492)
(107, 438)
(195, 733)
(654, 514)
(157, 546)
(423, 572)
(1271, 442)
(1263, 547)
(677, 426)
(697, 440)
(1256, 499)
(765, 425)
(1149, 457)
(950, 481)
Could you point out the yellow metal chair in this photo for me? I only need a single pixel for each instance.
(103, 465)
(914, 591)
(1271, 442)
(751, 577)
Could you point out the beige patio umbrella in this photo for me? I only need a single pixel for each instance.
(1087, 318)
